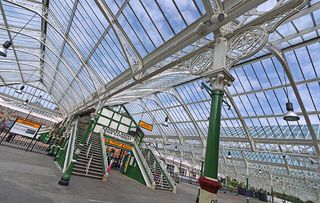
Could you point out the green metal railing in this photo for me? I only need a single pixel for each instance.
(164, 171)
(71, 153)
(75, 149)
(60, 157)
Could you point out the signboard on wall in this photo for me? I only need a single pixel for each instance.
(117, 144)
(25, 128)
(145, 125)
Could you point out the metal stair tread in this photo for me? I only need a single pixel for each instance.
(89, 172)
(85, 163)
(90, 176)
(91, 168)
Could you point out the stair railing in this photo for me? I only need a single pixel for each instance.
(146, 172)
(165, 172)
(104, 155)
(88, 165)
(74, 153)
(161, 180)
(88, 150)
(156, 148)
(88, 138)
(70, 148)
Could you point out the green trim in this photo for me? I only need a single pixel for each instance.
(43, 136)
(134, 171)
(55, 142)
(67, 174)
(212, 149)
(62, 153)
(136, 125)
(116, 121)
(136, 147)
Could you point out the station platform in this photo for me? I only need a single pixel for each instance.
(30, 177)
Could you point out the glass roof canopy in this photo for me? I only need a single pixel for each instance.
(75, 52)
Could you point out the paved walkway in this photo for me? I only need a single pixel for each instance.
(27, 177)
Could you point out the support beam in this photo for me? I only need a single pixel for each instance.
(131, 53)
(244, 125)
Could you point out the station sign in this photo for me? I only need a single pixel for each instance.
(145, 125)
(117, 144)
(25, 127)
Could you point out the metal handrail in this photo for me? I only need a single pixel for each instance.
(104, 155)
(162, 158)
(165, 172)
(88, 165)
(88, 150)
(71, 145)
(144, 163)
(88, 138)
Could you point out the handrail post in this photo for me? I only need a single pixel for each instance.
(71, 156)
(88, 150)
(104, 157)
(88, 165)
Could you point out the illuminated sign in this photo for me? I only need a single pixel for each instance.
(145, 125)
(118, 144)
(25, 128)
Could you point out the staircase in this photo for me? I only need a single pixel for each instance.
(158, 176)
(89, 161)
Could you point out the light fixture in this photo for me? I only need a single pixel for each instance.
(7, 44)
(165, 123)
(290, 115)
(19, 91)
(4, 48)
(26, 102)
(229, 155)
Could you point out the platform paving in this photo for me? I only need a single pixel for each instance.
(29, 177)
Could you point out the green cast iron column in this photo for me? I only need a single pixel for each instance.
(212, 150)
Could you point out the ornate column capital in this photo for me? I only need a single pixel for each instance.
(221, 79)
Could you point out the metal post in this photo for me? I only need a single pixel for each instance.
(247, 190)
(202, 165)
(212, 150)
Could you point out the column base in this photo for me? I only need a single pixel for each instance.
(208, 190)
(207, 197)
(63, 182)
(105, 177)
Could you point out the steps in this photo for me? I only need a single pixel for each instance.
(158, 176)
(89, 161)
